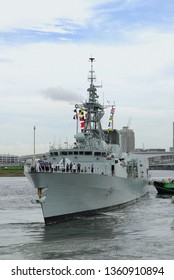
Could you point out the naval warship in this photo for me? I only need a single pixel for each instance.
(94, 175)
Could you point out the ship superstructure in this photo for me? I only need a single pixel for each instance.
(92, 176)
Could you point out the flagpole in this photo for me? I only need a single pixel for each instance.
(76, 118)
(34, 152)
(77, 126)
(112, 120)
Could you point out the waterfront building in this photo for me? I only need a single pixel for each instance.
(127, 139)
(8, 159)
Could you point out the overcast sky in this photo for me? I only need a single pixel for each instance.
(44, 50)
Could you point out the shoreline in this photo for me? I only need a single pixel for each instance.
(11, 171)
(12, 175)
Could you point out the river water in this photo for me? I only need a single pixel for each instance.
(143, 230)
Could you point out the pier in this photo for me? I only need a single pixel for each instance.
(159, 160)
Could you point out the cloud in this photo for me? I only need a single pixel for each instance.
(132, 42)
(60, 94)
(83, 21)
(4, 60)
(27, 14)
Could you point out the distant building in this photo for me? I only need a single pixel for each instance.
(171, 149)
(173, 136)
(152, 150)
(127, 139)
(8, 159)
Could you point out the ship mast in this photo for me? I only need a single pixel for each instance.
(92, 112)
(95, 110)
(91, 77)
(92, 89)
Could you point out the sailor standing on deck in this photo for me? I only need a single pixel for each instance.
(52, 167)
(78, 167)
(74, 167)
(70, 166)
(61, 166)
(37, 166)
(67, 167)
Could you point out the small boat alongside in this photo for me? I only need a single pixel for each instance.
(164, 187)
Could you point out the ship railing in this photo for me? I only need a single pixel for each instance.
(50, 169)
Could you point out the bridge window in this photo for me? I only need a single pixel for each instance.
(97, 153)
(63, 153)
(88, 153)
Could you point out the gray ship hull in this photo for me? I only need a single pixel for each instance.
(69, 194)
